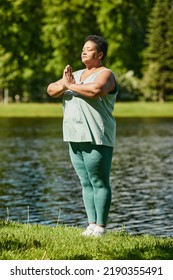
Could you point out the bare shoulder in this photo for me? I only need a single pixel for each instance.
(105, 73)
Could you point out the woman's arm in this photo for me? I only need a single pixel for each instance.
(102, 85)
(56, 89)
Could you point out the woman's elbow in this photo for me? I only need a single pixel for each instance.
(49, 90)
(97, 91)
(55, 90)
(52, 90)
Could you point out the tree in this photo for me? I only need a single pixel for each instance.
(21, 49)
(66, 24)
(123, 23)
(38, 38)
(157, 80)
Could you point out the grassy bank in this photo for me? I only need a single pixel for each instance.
(38, 242)
(125, 109)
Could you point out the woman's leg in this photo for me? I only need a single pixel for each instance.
(77, 160)
(97, 160)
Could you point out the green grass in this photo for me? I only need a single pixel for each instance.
(40, 242)
(31, 110)
(143, 109)
(125, 109)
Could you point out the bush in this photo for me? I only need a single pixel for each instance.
(129, 87)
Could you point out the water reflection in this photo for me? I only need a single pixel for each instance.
(35, 171)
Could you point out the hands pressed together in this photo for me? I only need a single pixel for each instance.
(68, 77)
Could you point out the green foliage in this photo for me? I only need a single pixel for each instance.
(21, 46)
(129, 86)
(157, 82)
(38, 38)
(66, 24)
(31, 242)
(123, 23)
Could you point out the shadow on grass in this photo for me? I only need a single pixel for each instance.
(159, 252)
(11, 243)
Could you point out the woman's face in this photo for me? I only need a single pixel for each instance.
(89, 52)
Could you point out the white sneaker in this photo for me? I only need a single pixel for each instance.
(99, 231)
(89, 230)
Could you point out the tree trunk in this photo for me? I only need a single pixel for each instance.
(161, 96)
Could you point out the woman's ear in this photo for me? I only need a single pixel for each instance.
(100, 55)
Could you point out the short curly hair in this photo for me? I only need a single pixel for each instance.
(100, 42)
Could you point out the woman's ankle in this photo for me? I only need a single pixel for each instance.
(101, 225)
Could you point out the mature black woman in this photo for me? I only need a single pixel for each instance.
(89, 95)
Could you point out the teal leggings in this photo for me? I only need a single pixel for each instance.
(92, 164)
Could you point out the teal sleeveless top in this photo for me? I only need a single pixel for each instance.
(89, 119)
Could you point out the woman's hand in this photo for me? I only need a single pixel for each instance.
(58, 88)
(68, 77)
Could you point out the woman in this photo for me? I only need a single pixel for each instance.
(89, 127)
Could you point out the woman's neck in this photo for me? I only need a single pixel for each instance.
(89, 71)
(92, 68)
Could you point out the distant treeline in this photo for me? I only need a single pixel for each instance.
(38, 38)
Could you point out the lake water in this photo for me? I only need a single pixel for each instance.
(38, 183)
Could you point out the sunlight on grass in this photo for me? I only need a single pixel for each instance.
(31, 110)
(125, 109)
(38, 242)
